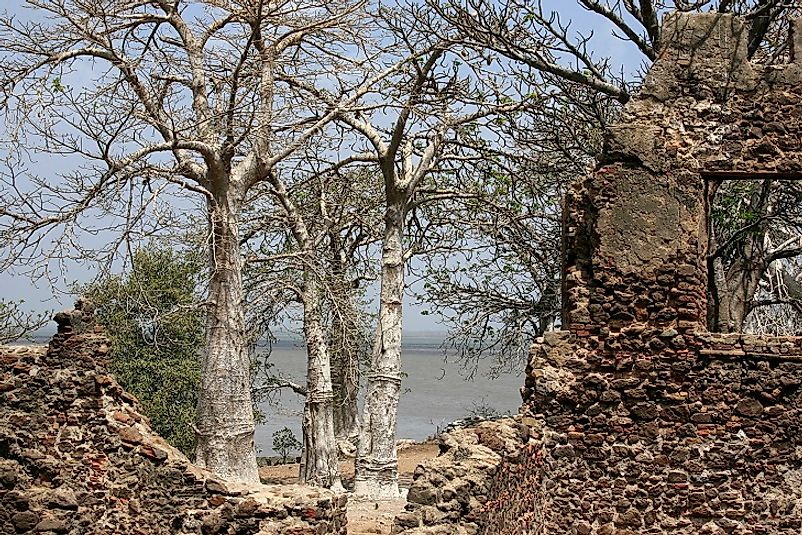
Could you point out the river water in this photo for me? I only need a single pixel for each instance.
(434, 392)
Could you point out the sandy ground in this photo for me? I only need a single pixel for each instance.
(364, 517)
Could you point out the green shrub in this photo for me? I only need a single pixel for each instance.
(156, 329)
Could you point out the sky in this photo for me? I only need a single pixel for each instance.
(40, 296)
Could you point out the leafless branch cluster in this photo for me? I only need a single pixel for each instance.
(17, 324)
(549, 44)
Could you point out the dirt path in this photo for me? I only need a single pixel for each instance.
(364, 517)
(371, 518)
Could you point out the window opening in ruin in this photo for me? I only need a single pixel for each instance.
(754, 262)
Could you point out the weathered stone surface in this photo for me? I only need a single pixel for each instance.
(63, 498)
(646, 423)
(653, 425)
(24, 521)
(77, 457)
(51, 524)
(486, 480)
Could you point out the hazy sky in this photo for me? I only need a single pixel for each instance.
(40, 296)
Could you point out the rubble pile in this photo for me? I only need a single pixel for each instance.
(486, 480)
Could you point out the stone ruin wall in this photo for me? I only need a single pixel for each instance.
(487, 480)
(635, 419)
(77, 457)
(639, 420)
(699, 436)
(704, 111)
(653, 425)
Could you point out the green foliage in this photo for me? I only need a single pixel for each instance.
(157, 333)
(58, 86)
(732, 209)
(284, 442)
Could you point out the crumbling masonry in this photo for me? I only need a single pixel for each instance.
(77, 457)
(640, 420)
(635, 419)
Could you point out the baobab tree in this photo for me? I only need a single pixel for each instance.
(755, 243)
(169, 96)
(303, 237)
(409, 129)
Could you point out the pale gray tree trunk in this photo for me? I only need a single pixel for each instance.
(735, 293)
(732, 289)
(377, 459)
(225, 425)
(319, 462)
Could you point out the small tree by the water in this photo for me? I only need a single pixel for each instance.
(284, 442)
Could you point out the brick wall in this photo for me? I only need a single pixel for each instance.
(641, 421)
(78, 457)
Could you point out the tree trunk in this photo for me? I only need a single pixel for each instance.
(346, 349)
(732, 289)
(345, 379)
(732, 313)
(741, 288)
(377, 460)
(319, 462)
(225, 425)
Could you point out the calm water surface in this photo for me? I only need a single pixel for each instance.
(428, 402)
(434, 391)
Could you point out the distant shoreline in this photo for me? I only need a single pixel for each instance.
(411, 338)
